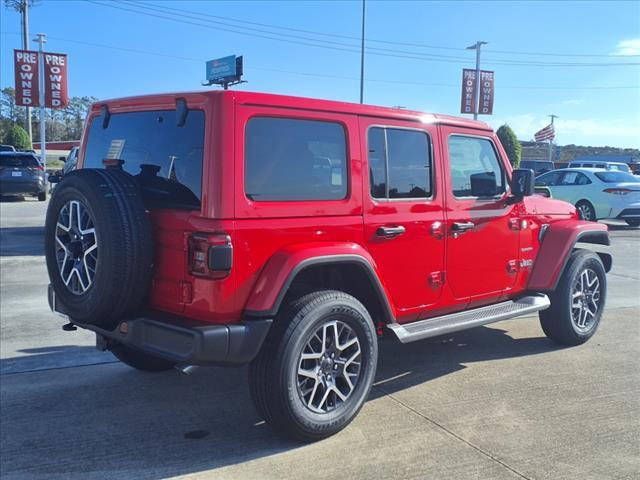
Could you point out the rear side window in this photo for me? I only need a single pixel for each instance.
(399, 163)
(289, 159)
(21, 161)
(165, 158)
(470, 156)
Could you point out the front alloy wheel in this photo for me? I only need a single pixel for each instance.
(585, 300)
(76, 247)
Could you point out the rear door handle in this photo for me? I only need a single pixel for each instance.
(390, 232)
(462, 226)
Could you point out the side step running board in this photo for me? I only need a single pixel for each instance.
(454, 322)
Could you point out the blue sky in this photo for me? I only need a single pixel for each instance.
(597, 105)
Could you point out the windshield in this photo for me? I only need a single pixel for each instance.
(617, 177)
(21, 161)
(165, 158)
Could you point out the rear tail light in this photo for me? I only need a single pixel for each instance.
(39, 168)
(210, 255)
(618, 191)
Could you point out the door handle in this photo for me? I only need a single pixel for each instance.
(390, 232)
(461, 227)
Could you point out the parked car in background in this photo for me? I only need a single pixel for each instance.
(7, 148)
(538, 166)
(619, 166)
(21, 173)
(70, 163)
(597, 193)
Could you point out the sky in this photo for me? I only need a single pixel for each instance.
(577, 60)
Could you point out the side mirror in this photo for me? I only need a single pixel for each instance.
(522, 182)
(62, 159)
(484, 184)
(55, 178)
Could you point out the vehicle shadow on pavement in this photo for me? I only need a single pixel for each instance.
(21, 241)
(12, 199)
(110, 421)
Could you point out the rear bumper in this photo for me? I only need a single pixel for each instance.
(28, 187)
(181, 340)
(629, 213)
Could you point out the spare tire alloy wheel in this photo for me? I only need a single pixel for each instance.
(76, 247)
(329, 367)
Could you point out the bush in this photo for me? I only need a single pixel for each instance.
(511, 144)
(18, 137)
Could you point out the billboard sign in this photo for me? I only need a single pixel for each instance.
(221, 69)
(55, 80)
(468, 103)
(26, 78)
(486, 92)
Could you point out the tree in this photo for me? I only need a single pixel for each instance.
(18, 137)
(511, 144)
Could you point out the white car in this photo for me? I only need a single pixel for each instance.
(597, 193)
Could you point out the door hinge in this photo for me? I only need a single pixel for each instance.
(512, 266)
(436, 279)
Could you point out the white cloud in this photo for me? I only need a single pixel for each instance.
(628, 47)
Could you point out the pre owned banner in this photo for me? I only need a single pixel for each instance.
(55, 80)
(486, 92)
(468, 103)
(27, 79)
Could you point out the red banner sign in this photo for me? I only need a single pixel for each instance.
(55, 80)
(26, 76)
(486, 92)
(468, 104)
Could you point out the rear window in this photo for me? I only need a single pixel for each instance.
(617, 177)
(288, 159)
(21, 161)
(165, 158)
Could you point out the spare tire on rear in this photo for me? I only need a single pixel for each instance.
(98, 246)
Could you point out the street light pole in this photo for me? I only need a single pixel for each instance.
(43, 148)
(25, 46)
(362, 56)
(476, 47)
(551, 140)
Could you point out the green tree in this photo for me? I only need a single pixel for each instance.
(511, 144)
(18, 137)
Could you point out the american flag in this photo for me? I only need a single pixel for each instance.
(547, 133)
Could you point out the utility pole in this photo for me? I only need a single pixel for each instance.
(43, 148)
(362, 57)
(476, 47)
(551, 139)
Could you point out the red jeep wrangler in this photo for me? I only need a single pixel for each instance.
(226, 228)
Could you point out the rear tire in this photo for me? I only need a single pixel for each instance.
(633, 222)
(316, 367)
(42, 196)
(586, 211)
(578, 301)
(140, 360)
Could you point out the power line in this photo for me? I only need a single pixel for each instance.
(332, 45)
(389, 42)
(322, 75)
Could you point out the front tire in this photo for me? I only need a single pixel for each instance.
(578, 301)
(316, 368)
(42, 196)
(140, 360)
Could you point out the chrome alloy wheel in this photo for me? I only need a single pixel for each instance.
(329, 367)
(76, 247)
(585, 300)
(585, 212)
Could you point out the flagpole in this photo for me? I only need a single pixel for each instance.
(551, 139)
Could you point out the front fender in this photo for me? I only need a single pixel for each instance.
(558, 241)
(277, 275)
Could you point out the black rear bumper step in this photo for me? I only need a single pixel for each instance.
(182, 340)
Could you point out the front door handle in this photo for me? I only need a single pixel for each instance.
(390, 232)
(460, 227)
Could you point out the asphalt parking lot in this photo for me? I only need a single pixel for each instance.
(493, 402)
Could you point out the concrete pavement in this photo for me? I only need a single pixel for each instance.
(493, 402)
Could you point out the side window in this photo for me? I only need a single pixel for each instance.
(295, 160)
(399, 163)
(575, 178)
(472, 158)
(549, 179)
